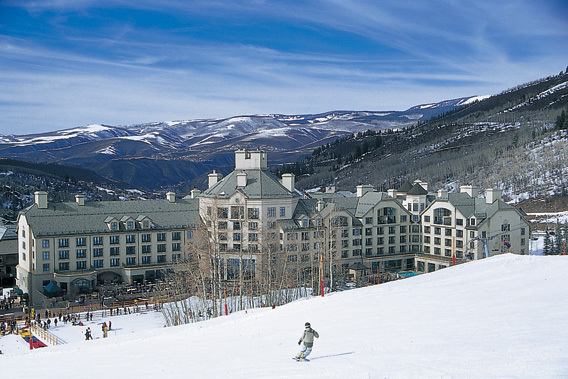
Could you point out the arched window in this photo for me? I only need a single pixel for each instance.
(442, 216)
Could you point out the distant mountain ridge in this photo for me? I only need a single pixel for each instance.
(165, 154)
(512, 140)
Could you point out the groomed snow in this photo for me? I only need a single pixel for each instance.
(506, 316)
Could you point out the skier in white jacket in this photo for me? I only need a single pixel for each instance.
(308, 339)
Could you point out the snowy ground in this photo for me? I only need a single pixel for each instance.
(505, 316)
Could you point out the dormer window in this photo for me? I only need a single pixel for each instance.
(144, 222)
(114, 225)
(130, 225)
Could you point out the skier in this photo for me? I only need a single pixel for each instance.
(308, 339)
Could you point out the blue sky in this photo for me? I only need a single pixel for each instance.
(68, 63)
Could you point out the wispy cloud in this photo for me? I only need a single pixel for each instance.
(120, 62)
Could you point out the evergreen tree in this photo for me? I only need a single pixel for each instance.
(561, 121)
(558, 239)
(547, 244)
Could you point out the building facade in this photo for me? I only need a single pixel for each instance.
(8, 254)
(82, 244)
(258, 226)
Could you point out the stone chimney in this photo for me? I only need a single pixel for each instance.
(242, 179)
(442, 194)
(214, 177)
(80, 200)
(330, 189)
(171, 197)
(472, 191)
(41, 199)
(392, 193)
(289, 182)
(194, 193)
(362, 189)
(492, 195)
(320, 205)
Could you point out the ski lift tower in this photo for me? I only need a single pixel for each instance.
(485, 242)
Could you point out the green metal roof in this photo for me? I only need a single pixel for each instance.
(71, 218)
(261, 184)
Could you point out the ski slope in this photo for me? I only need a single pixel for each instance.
(506, 316)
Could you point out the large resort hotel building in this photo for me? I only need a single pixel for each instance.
(257, 220)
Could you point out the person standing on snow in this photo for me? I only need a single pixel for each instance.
(308, 339)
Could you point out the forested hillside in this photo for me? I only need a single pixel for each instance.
(516, 140)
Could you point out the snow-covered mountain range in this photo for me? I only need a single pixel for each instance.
(173, 152)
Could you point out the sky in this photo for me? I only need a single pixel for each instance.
(501, 317)
(69, 63)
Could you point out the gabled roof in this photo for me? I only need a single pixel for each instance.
(417, 190)
(305, 207)
(368, 201)
(476, 207)
(404, 187)
(71, 218)
(261, 184)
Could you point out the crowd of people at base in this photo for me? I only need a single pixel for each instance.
(8, 303)
(9, 327)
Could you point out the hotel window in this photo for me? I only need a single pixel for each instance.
(253, 213)
(272, 212)
(222, 212)
(81, 265)
(98, 252)
(81, 253)
(46, 267)
(162, 248)
(115, 262)
(161, 236)
(98, 263)
(45, 255)
(115, 251)
(131, 238)
(64, 242)
(64, 266)
(63, 254)
(282, 212)
(45, 243)
(97, 240)
(114, 240)
(176, 236)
